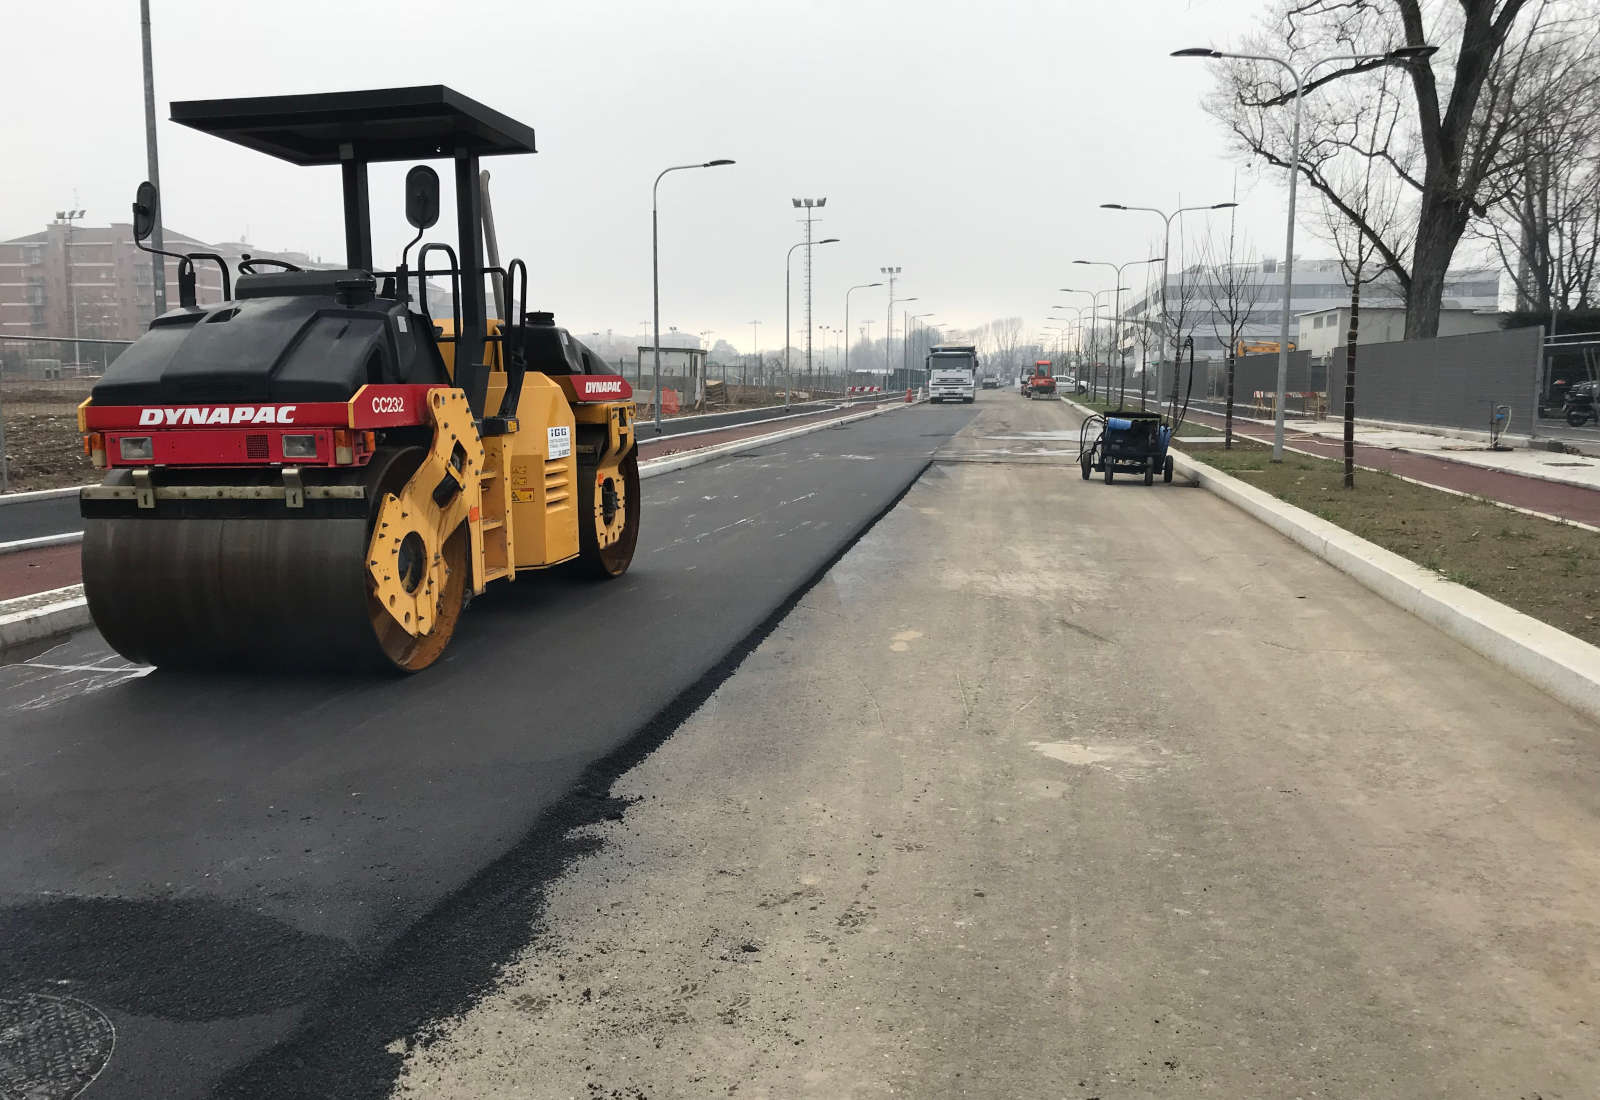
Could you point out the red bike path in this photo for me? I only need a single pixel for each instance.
(1553, 498)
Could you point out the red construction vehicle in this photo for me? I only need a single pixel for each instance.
(1042, 383)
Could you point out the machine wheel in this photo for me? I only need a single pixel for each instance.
(608, 518)
(1087, 465)
(1577, 417)
(1150, 472)
(1108, 473)
(1166, 470)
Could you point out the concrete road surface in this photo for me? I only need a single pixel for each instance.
(1057, 789)
(253, 886)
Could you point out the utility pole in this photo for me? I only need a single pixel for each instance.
(158, 266)
(809, 205)
(755, 351)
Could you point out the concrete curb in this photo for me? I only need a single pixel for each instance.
(43, 542)
(42, 494)
(41, 616)
(1552, 660)
(46, 615)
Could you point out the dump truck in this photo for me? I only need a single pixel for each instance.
(319, 471)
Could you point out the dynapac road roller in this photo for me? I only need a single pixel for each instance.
(316, 471)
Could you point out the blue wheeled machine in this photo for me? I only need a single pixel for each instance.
(1125, 442)
(1135, 442)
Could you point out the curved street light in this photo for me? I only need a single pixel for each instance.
(852, 290)
(655, 271)
(1094, 328)
(1116, 316)
(788, 376)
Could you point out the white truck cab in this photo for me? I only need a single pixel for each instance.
(953, 373)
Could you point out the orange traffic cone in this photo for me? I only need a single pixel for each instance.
(908, 395)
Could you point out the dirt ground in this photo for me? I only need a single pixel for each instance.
(1548, 570)
(43, 447)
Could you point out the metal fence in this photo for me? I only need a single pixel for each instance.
(1449, 382)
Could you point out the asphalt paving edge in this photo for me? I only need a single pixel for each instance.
(1554, 661)
(353, 1044)
(24, 622)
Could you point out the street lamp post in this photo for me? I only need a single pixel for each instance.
(905, 344)
(1094, 330)
(1166, 248)
(788, 376)
(852, 290)
(1116, 320)
(655, 272)
(888, 364)
(1402, 55)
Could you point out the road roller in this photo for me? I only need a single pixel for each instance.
(321, 469)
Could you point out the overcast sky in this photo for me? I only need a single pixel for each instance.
(969, 144)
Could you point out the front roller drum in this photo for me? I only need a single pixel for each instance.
(267, 592)
(608, 517)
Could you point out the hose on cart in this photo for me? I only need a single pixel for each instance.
(1086, 444)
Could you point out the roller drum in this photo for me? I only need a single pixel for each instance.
(255, 592)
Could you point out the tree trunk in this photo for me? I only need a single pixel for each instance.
(1440, 224)
(1350, 383)
(1227, 416)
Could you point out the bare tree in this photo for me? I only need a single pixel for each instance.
(1375, 203)
(1448, 144)
(1546, 232)
(1148, 337)
(1184, 306)
(1234, 291)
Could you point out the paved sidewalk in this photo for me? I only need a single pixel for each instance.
(1567, 486)
(1057, 789)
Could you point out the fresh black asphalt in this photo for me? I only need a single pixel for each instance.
(34, 517)
(263, 883)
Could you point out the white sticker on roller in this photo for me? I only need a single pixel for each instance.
(560, 442)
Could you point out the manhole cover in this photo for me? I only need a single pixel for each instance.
(51, 1048)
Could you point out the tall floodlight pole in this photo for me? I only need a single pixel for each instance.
(892, 273)
(852, 290)
(1403, 54)
(655, 273)
(158, 266)
(1116, 321)
(69, 217)
(809, 205)
(788, 375)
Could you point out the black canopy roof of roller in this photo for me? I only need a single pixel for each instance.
(383, 124)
